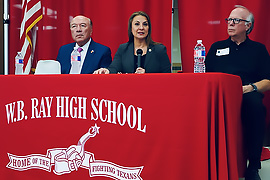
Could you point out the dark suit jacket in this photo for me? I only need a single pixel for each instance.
(156, 60)
(97, 56)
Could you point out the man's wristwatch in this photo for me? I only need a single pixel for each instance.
(254, 87)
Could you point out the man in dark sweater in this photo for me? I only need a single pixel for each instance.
(250, 60)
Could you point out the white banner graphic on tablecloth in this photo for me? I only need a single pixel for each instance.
(66, 160)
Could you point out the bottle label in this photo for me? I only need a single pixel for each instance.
(199, 53)
(203, 53)
(19, 61)
(75, 58)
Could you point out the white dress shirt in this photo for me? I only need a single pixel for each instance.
(83, 52)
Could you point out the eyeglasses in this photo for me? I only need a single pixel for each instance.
(234, 20)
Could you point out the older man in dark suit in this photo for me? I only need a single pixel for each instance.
(93, 55)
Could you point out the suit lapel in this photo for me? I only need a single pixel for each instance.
(67, 56)
(149, 55)
(129, 57)
(89, 55)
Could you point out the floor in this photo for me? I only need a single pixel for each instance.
(264, 171)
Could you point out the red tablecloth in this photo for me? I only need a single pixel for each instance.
(150, 126)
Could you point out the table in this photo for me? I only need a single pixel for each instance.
(122, 126)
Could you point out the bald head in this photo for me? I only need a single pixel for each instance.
(81, 29)
(81, 17)
(240, 13)
(245, 14)
(239, 24)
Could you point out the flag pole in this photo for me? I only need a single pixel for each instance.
(6, 26)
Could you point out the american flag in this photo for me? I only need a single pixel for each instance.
(32, 14)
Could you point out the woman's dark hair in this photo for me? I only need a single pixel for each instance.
(131, 36)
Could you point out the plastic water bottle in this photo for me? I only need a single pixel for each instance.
(75, 62)
(19, 63)
(199, 57)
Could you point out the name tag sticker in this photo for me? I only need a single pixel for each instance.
(222, 52)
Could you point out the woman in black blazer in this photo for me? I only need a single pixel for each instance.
(154, 58)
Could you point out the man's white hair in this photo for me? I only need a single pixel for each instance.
(250, 18)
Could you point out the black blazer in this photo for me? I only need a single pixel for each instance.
(156, 60)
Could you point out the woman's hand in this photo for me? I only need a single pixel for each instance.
(140, 70)
(101, 71)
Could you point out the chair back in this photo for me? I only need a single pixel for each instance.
(266, 101)
(48, 67)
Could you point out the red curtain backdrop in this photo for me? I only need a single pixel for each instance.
(197, 20)
(206, 20)
(109, 17)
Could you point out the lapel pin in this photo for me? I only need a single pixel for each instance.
(150, 50)
(92, 51)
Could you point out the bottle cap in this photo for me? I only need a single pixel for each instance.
(199, 41)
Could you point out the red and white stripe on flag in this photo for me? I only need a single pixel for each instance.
(32, 14)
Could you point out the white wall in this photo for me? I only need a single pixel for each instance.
(176, 52)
